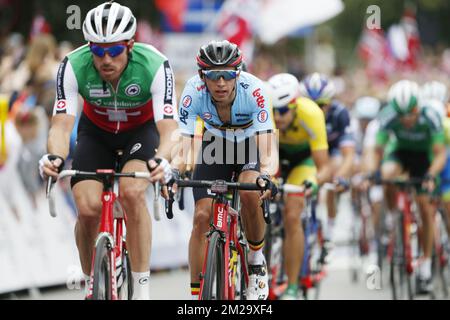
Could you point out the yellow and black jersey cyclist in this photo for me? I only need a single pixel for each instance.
(303, 142)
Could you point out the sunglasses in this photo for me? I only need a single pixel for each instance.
(217, 74)
(282, 110)
(113, 51)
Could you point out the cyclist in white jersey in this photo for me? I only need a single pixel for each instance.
(238, 137)
(129, 105)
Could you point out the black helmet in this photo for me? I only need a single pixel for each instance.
(219, 53)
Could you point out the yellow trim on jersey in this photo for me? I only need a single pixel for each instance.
(308, 127)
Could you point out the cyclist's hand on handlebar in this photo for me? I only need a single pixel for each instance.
(50, 165)
(341, 184)
(429, 183)
(311, 188)
(265, 182)
(160, 170)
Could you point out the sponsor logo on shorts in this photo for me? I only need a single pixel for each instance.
(135, 148)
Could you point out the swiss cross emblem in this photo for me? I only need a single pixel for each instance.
(61, 104)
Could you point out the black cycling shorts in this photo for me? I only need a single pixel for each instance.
(244, 157)
(415, 163)
(96, 148)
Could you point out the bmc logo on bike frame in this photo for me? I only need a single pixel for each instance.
(259, 98)
(220, 217)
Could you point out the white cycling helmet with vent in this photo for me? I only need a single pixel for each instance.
(404, 96)
(434, 90)
(284, 88)
(109, 22)
(367, 108)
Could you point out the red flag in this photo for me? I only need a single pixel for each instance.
(409, 24)
(39, 25)
(174, 11)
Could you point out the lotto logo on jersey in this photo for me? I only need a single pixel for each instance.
(259, 98)
(187, 100)
(262, 116)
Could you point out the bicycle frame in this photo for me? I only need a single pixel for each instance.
(404, 204)
(312, 228)
(115, 234)
(225, 221)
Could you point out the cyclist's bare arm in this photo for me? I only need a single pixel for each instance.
(268, 153)
(184, 157)
(59, 140)
(321, 160)
(168, 138)
(345, 169)
(439, 159)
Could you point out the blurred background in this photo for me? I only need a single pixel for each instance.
(365, 45)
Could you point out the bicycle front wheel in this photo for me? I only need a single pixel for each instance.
(102, 286)
(213, 276)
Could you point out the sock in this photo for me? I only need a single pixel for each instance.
(87, 283)
(425, 268)
(255, 255)
(195, 290)
(141, 285)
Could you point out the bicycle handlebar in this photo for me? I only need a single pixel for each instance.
(221, 187)
(107, 173)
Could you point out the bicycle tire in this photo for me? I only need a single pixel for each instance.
(242, 266)
(213, 277)
(440, 266)
(102, 288)
(403, 288)
(125, 292)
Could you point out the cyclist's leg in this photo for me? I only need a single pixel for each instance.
(391, 168)
(197, 242)
(87, 196)
(254, 225)
(138, 146)
(90, 154)
(294, 240)
(331, 199)
(202, 217)
(418, 169)
(139, 235)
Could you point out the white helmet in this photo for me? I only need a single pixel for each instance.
(284, 89)
(404, 96)
(318, 88)
(367, 108)
(437, 106)
(434, 90)
(109, 22)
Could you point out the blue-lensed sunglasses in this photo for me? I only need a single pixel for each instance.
(113, 51)
(217, 74)
(282, 110)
